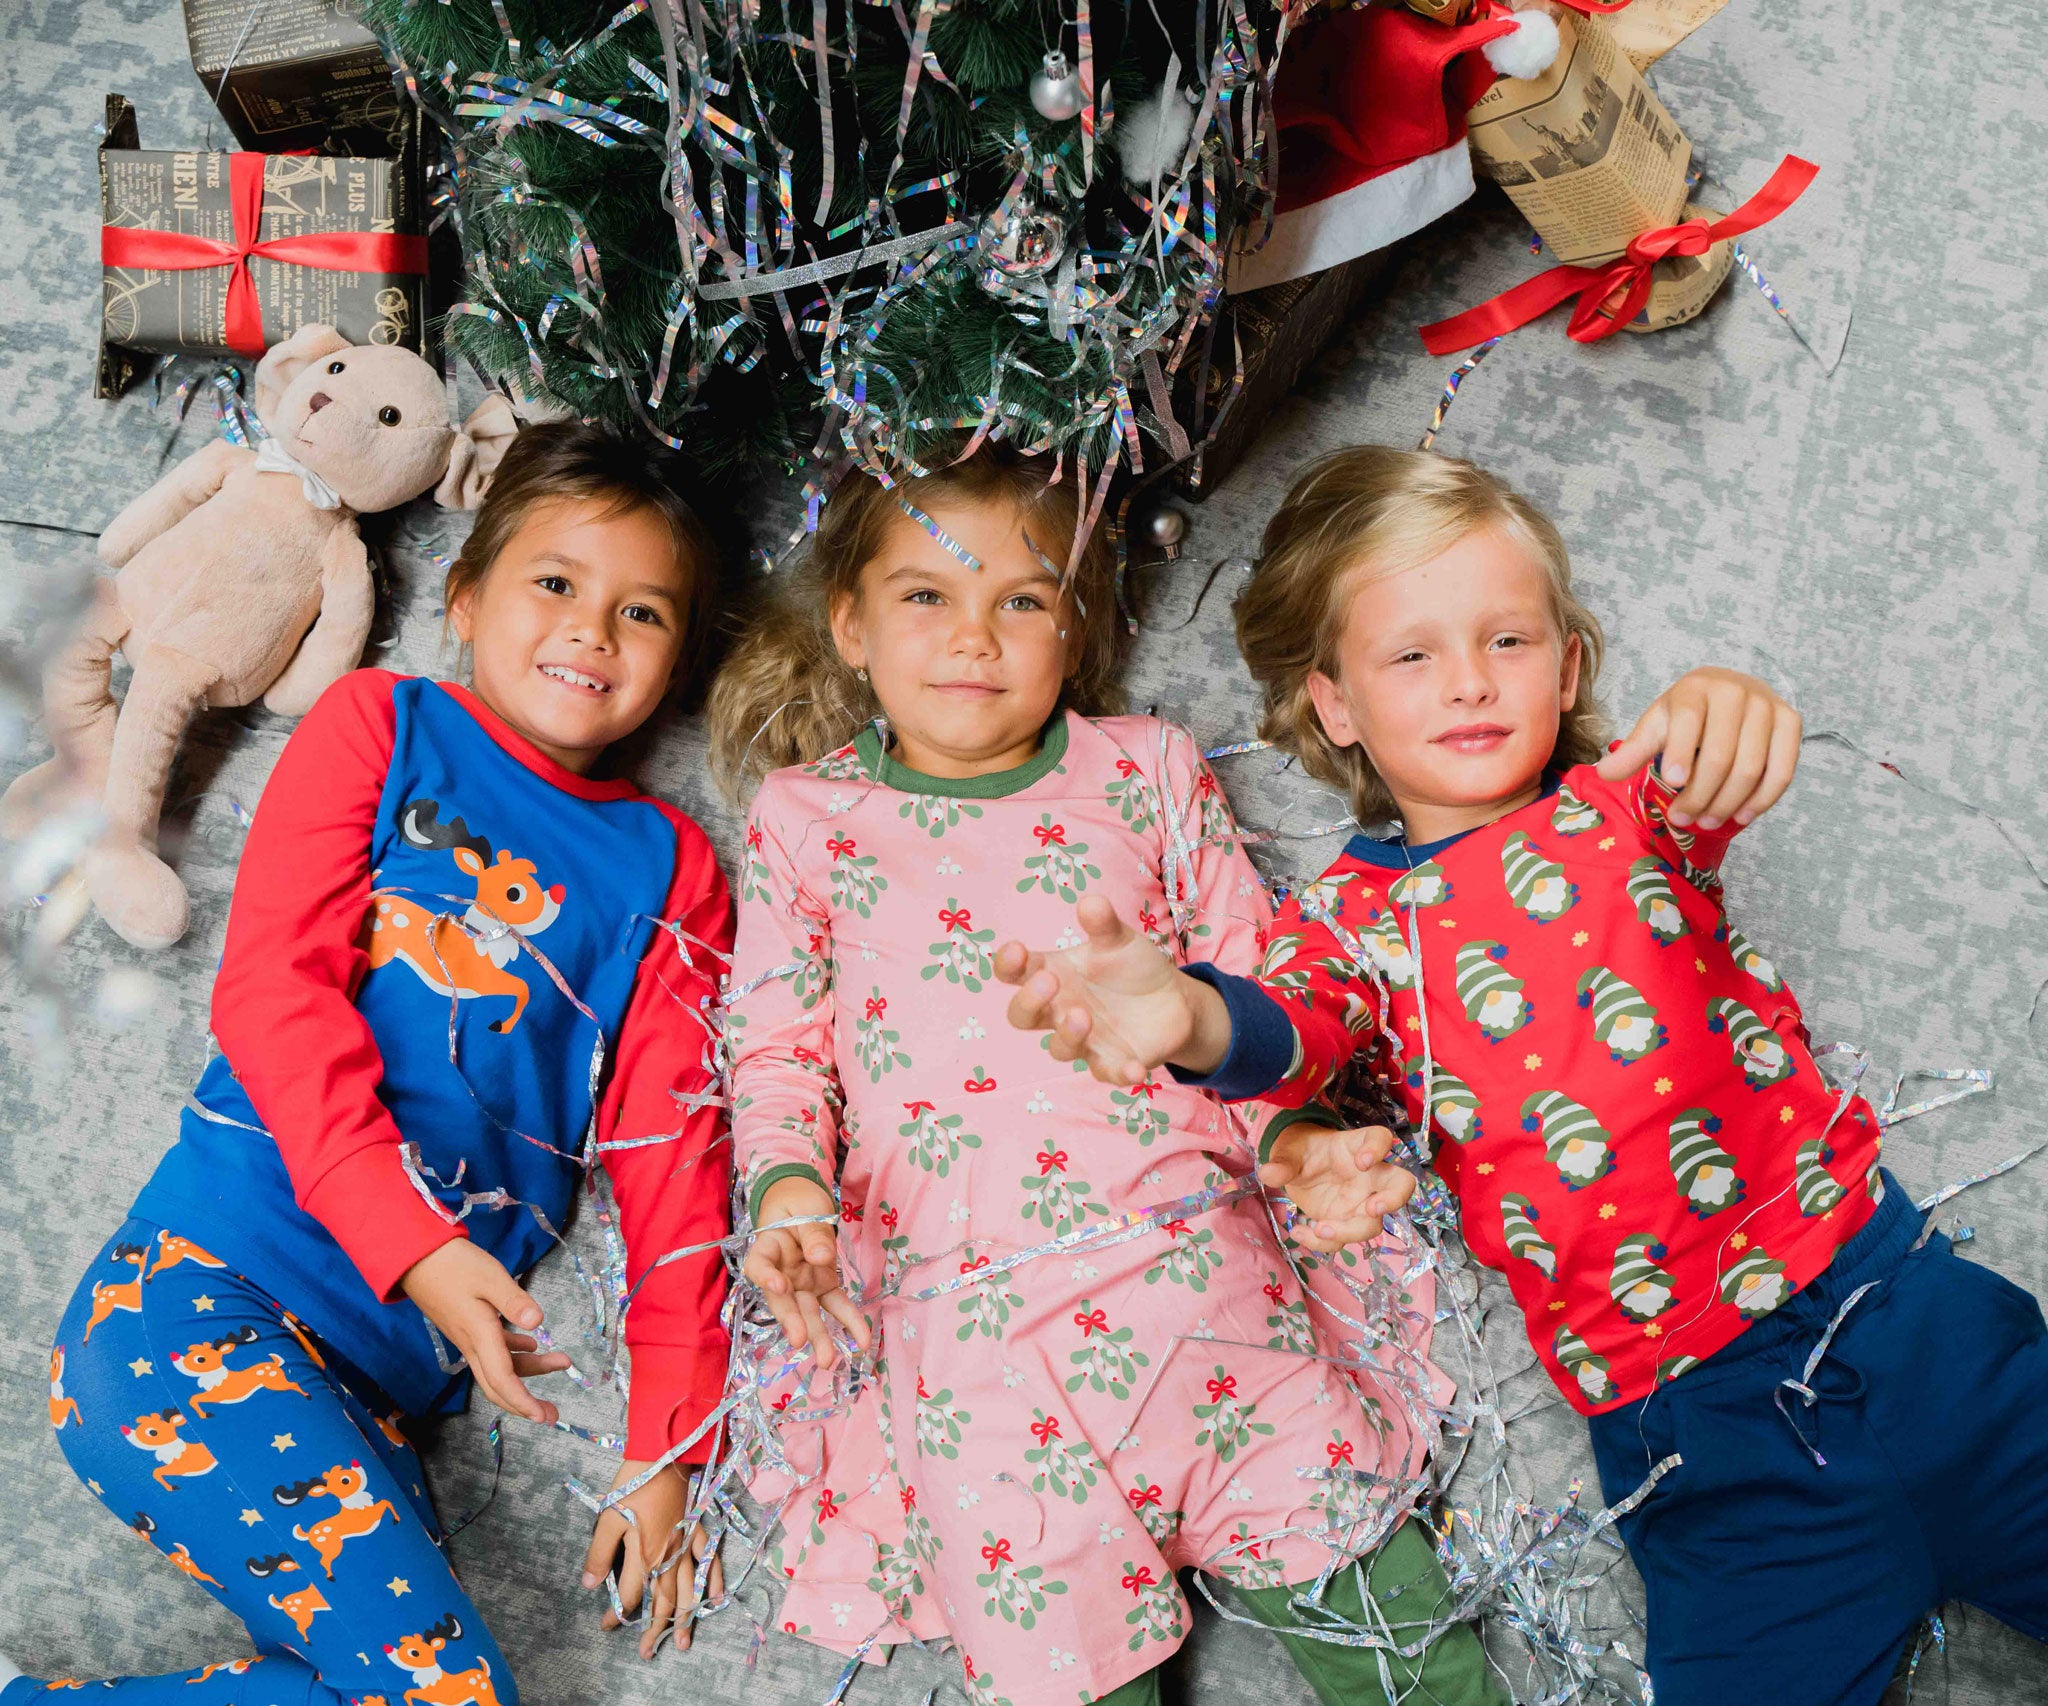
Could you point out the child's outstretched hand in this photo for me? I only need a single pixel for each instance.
(1341, 1180)
(797, 1269)
(1723, 738)
(466, 1292)
(1115, 1002)
(650, 1539)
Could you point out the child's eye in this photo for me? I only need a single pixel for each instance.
(554, 583)
(922, 595)
(1509, 640)
(1023, 601)
(643, 613)
(1409, 657)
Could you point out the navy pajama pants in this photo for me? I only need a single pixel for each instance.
(205, 1418)
(1793, 1554)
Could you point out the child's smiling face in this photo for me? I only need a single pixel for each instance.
(576, 628)
(1454, 677)
(967, 663)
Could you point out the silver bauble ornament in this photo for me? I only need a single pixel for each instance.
(1166, 526)
(1055, 90)
(1026, 243)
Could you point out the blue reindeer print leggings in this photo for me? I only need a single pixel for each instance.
(205, 1417)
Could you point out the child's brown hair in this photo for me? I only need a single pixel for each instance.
(1372, 510)
(554, 461)
(785, 696)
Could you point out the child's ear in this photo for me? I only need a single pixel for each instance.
(1568, 681)
(1331, 710)
(846, 637)
(462, 613)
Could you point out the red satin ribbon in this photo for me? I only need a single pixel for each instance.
(332, 251)
(1630, 274)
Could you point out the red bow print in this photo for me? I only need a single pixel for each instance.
(973, 1262)
(782, 1403)
(1126, 769)
(889, 1218)
(910, 1498)
(839, 846)
(967, 1664)
(1140, 1497)
(1148, 1089)
(851, 1212)
(956, 918)
(1046, 1431)
(1174, 1228)
(828, 1508)
(1052, 1160)
(877, 1006)
(1050, 834)
(1222, 1389)
(1340, 1452)
(921, 1392)
(978, 1086)
(1148, 920)
(753, 838)
(1275, 1291)
(999, 1553)
(1092, 1321)
(806, 1057)
(1205, 784)
(1141, 1580)
(913, 1109)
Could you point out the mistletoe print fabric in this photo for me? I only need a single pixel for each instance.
(1046, 1438)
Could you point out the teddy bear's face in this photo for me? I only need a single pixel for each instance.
(371, 420)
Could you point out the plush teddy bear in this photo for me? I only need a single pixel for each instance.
(241, 574)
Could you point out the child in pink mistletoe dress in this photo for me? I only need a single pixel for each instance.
(1041, 1439)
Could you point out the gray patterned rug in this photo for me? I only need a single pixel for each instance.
(1851, 504)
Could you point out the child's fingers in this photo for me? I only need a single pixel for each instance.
(844, 1310)
(1388, 1188)
(1030, 1007)
(1786, 728)
(604, 1547)
(815, 1335)
(511, 1300)
(1371, 1144)
(1099, 921)
(491, 1363)
(527, 1364)
(821, 1247)
(1685, 722)
(1719, 738)
(662, 1598)
(632, 1575)
(1746, 768)
(1015, 963)
(1642, 743)
(1277, 1175)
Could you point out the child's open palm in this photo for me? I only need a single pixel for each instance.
(1341, 1181)
(1115, 1002)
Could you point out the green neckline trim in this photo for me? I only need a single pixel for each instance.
(891, 773)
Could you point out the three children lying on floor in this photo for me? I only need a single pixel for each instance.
(1003, 977)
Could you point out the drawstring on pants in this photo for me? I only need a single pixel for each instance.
(1804, 1384)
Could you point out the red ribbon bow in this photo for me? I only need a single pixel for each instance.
(1140, 1497)
(1049, 1429)
(877, 1006)
(1140, 1579)
(1174, 1228)
(1340, 1452)
(910, 1498)
(1628, 277)
(827, 1506)
(838, 844)
(1050, 834)
(1274, 1290)
(961, 919)
(1092, 1321)
(913, 1109)
(978, 1086)
(973, 1262)
(1052, 1160)
(999, 1553)
(332, 251)
(1222, 1389)
(1126, 768)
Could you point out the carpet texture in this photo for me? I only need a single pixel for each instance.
(1849, 502)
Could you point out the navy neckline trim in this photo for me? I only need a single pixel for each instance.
(1394, 854)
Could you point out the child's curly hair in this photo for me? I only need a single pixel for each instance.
(1361, 513)
(785, 696)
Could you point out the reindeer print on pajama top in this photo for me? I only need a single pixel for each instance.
(1046, 1441)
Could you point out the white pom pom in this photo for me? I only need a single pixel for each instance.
(1152, 135)
(1529, 51)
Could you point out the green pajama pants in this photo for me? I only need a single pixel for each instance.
(1409, 1586)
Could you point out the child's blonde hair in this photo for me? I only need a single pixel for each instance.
(785, 696)
(1364, 512)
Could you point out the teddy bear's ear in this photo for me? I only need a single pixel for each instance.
(286, 361)
(476, 453)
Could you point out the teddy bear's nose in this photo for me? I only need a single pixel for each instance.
(318, 401)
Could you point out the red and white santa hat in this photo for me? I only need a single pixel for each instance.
(1370, 105)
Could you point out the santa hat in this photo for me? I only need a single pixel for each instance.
(1370, 106)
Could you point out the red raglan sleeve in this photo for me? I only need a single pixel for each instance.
(673, 1192)
(284, 999)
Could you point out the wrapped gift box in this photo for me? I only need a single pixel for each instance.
(292, 74)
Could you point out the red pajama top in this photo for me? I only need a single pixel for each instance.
(1621, 1088)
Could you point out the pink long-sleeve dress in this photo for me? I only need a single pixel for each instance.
(1047, 1434)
